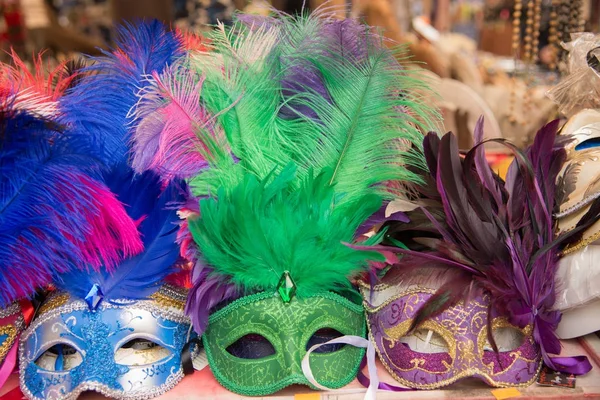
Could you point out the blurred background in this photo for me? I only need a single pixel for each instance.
(64, 26)
(490, 57)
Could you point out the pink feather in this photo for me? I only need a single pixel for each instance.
(168, 119)
(36, 91)
(113, 234)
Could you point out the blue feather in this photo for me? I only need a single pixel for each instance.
(140, 276)
(99, 104)
(49, 205)
(138, 194)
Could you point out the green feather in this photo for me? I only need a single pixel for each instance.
(365, 139)
(302, 186)
(361, 134)
(261, 228)
(239, 88)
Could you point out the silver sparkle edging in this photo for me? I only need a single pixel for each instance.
(577, 206)
(20, 323)
(10, 310)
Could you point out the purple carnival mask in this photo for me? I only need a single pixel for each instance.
(451, 346)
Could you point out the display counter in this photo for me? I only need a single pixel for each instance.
(203, 386)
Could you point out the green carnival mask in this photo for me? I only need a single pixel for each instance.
(292, 133)
(256, 344)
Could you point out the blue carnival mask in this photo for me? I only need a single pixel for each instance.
(122, 349)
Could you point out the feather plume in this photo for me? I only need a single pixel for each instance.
(289, 129)
(36, 91)
(363, 82)
(190, 41)
(482, 211)
(315, 81)
(170, 116)
(55, 214)
(100, 104)
(208, 291)
(74, 71)
(279, 229)
(139, 276)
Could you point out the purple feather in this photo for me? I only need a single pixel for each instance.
(256, 22)
(350, 38)
(301, 78)
(504, 230)
(379, 218)
(431, 144)
(490, 182)
(208, 291)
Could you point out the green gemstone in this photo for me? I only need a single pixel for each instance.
(286, 287)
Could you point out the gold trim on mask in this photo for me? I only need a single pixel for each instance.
(11, 332)
(395, 333)
(160, 298)
(581, 244)
(464, 374)
(468, 357)
(166, 301)
(499, 323)
(377, 288)
(53, 302)
(395, 297)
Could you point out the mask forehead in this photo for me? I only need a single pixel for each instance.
(288, 327)
(99, 338)
(463, 349)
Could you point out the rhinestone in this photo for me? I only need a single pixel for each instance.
(94, 297)
(286, 287)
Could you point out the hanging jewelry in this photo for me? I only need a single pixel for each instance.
(553, 34)
(575, 17)
(516, 46)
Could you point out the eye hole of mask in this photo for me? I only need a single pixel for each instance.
(251, 347)
(140, 351)
(507, 339)
(425, 341)
(588, 144)
(60, 357)
(322, 336)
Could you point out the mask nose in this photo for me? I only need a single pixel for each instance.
(293, 356)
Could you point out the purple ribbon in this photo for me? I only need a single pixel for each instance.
(544, 334)
(576, 365)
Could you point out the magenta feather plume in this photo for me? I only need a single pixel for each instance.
(56, 215)
(153, 210)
